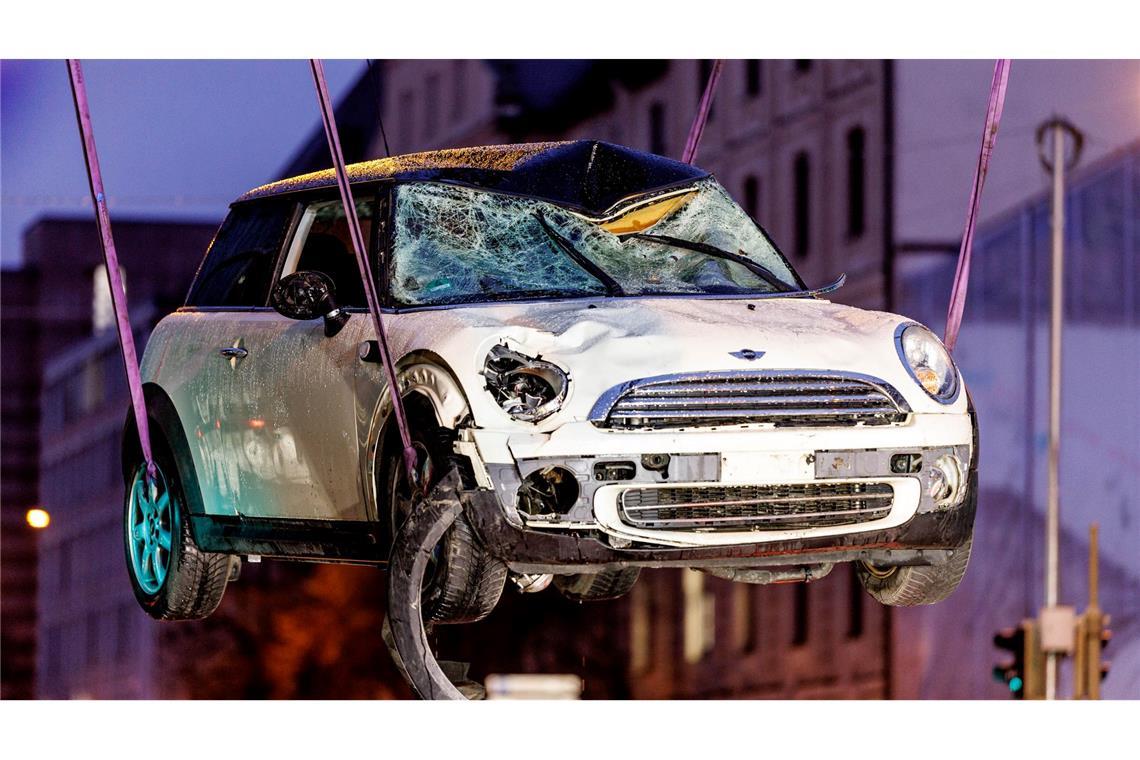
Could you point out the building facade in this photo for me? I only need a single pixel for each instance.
(92, 638)
(1003, 351)
(803, 146)
(19, 428)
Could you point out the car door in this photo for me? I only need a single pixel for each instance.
(293, 401)
(203, 347)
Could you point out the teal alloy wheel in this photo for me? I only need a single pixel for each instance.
(151, 525)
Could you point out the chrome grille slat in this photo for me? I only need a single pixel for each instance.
(773, 388)
(777, 397)
(664, 414)
(742, 401)
(805, 505)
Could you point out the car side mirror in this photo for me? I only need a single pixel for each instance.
(308, 295)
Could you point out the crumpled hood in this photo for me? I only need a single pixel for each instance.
(604, 342)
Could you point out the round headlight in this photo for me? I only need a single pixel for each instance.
(928, 362)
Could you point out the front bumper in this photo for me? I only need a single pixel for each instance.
(593, 533)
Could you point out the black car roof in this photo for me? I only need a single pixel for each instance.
(587, 174)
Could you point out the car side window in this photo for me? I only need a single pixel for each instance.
(322, 244)
(238, 269)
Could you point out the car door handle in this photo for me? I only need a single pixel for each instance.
(233, 352)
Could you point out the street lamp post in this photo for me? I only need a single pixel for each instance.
(1056, 165)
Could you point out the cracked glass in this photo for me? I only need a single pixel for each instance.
(457, 244)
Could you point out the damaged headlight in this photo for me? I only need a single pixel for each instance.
(928, 362)
(528, 389)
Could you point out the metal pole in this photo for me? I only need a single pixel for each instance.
(1094, 622)
(1057, 305)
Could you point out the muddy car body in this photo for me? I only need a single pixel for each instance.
(616, 364)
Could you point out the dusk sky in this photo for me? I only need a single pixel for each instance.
(226, 126)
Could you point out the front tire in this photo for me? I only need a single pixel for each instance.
(915, 585)
(463, 582)
(171, 577)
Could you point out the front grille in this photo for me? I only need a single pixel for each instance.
(809, 505)
(780, 398)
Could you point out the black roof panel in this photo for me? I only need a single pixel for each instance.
(587, 174)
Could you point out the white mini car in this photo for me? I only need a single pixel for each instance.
(612, 365)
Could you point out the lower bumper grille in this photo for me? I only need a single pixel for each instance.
(779, 507)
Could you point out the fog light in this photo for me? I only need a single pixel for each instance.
(946, 482)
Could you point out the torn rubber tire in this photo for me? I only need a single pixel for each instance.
(405, 634)
(914, 585)
(468, 580)
(171, 577)
(463, 582)
(610, 583)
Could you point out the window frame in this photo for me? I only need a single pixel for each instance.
(378, 191)
(290, 229)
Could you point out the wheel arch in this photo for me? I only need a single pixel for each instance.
(165, 430)
(432, 393)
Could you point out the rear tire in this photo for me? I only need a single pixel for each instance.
(915, 585)
(171, 577)
(610, 583)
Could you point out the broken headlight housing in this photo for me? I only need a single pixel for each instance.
(928, 362)
(528, 389)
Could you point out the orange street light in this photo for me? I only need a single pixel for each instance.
(38, 518)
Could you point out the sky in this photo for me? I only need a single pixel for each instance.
(228, 125)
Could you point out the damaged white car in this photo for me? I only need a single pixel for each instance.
(611, 362)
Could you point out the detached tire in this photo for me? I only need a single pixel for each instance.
(171, 577)
(463, 582)
(610, 583)
(911, 586)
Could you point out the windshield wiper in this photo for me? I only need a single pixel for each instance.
(755, 267)
(612, 286)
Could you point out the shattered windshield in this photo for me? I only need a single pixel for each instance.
(457, 244)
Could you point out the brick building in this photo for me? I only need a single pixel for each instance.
(19, 428)
(91, 638)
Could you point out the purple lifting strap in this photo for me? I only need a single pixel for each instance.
(989, 137)
(328, 117)
(111, 258)
(698, 126)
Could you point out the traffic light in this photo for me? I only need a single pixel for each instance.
(1093, 635)
(1011, 672)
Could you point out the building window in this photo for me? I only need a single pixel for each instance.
(699, 626)
(102, 307)
(459, 87)
(657, 128)
(406, 122)
(800, 614)
(91, 639)
(640, 632)
(802, 199)
(743, 617)
(753, 77)
(803, 65)
(855, 596)
(431, 106)
(856, 182)
(752, 197)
